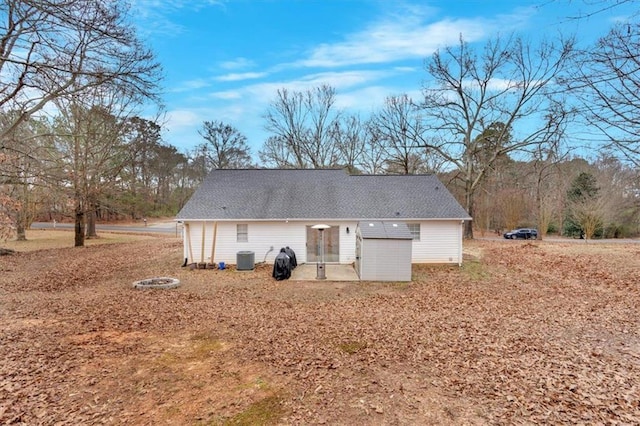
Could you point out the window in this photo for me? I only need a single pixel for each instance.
(414, 228)
(242, 231)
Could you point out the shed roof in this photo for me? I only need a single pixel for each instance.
(384, 230)
(254, 194)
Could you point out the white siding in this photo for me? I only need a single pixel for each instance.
(261, 237)
(385, 260)
(348, 242)
(440, 242)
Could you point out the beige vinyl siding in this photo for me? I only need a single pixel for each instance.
(440, 242)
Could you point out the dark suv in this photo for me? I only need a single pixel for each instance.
(523, 233)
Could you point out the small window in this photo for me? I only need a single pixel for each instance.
(414, 228)
(242, 232)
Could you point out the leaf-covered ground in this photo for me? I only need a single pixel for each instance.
(522, 333)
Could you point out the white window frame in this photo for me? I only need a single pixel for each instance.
(242, 233)
(415, 229)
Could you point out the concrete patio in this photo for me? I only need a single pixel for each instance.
(333, 272)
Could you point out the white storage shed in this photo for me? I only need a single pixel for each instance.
(383, 251)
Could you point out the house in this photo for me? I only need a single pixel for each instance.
(262, 210)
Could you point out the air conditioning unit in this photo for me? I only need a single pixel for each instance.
(245, 261)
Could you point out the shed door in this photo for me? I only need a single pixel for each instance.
(331, 244)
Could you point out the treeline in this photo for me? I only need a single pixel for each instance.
(504, 126)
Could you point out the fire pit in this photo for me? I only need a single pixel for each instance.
(157, 283)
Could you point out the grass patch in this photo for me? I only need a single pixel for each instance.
(398, 285)
(204, 345)
(352, 347)
(422, 272)
(475, 270)
(266, 411)
(166, 359)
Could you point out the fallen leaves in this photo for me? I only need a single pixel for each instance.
(529, 333)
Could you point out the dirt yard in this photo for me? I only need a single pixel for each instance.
(522, 333)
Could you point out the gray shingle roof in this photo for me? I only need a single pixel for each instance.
(384, 230)
(319, 194)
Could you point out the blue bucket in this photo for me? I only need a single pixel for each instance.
(221, 265)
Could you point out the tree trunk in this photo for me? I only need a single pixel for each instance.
(542, 226)
(79, 228)
(91, 222)
(20, 225)
(468, 197)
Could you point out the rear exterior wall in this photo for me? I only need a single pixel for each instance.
(261, 237)
(440, 240)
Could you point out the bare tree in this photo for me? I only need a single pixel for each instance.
(302, 125)
(24, 166)
(8, 207)
(618, 183)
(513, 206)
(609, 86)
(545, 159)
(89, 138)
(399, 127)
(225, 146)
(594, 7)
(509, 82)
(372, 160)
(55, 48)
(349, 136)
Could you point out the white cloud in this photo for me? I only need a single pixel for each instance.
(228, 94)
(363, 100)
(393, 41)
(177, 119)
(407, 36)
(237, 64)
(154, 16)
(241, 76)
(340, 80)
(405, 69)
(190, 85)
(343, 79)
(372, 98)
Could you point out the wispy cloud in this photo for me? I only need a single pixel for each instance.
(340, 80)
(237, 64)
(241, 76)
(190, 85)
(227, 95)
(406, 37)
(182, 118)
(154, 16)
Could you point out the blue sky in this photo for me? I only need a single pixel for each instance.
(225, 60)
